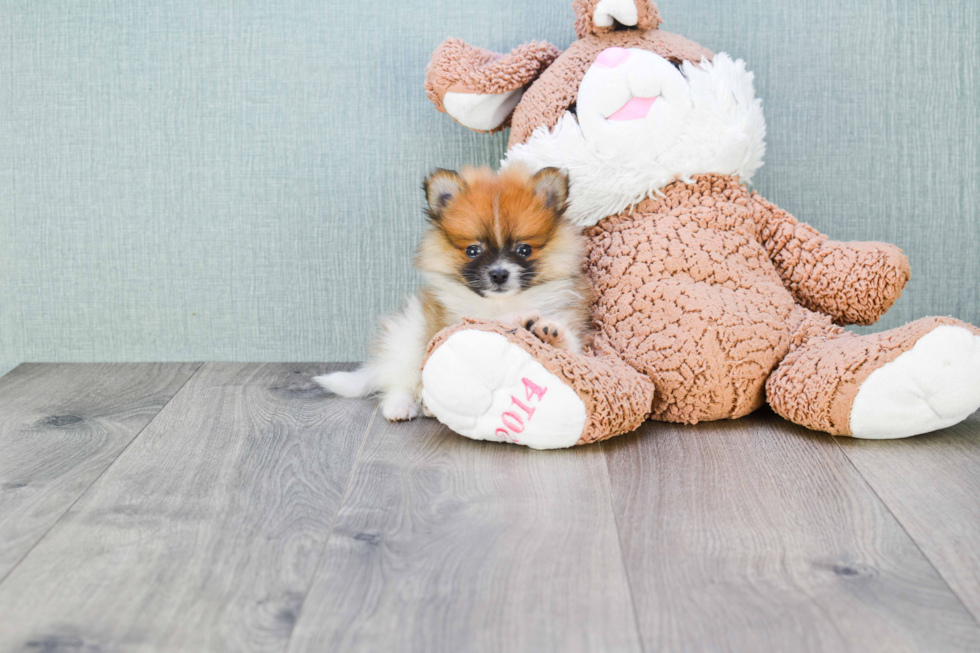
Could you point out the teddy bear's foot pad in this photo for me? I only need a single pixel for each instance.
(485, 387)
(934, 385)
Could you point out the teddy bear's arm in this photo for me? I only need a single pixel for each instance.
(480, 88)
(853, 283)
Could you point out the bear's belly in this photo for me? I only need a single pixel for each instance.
(701, 311)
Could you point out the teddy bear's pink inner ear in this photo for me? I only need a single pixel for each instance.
(480, 88)
(601, 16)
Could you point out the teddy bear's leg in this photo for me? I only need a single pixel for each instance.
(490, 381)
(915, 379)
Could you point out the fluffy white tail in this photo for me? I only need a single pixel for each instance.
(359, 383)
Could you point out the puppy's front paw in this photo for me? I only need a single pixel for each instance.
(399, 407)
(546, 331)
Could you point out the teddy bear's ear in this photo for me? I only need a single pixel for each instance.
(480, 88)
(600, 16)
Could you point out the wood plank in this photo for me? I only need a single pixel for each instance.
(446, 544)
(61, 426)
(205, 533)
(931, 483)
(756, 535)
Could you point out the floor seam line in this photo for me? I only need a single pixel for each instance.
(622, 555)
(976, 618)
(333, 524)
(101, 474)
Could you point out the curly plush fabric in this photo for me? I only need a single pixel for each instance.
(617, 398)
(460, 68)
(647, 17)
(699, 290)
(855, 283)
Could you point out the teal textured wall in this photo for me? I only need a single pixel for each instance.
(240, 180)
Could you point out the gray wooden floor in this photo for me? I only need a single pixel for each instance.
(235, 507)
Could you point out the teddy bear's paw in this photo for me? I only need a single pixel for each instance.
(485, 387)
(934, 385)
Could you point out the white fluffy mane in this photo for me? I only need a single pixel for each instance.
(725, 134)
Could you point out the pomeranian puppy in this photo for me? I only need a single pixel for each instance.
(497, 247)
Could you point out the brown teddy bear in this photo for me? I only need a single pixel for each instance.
(710, 300)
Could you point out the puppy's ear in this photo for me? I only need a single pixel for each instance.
(551, 185)
(440, 188)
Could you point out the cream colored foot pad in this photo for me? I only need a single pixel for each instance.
(934, 385)
(485, 387)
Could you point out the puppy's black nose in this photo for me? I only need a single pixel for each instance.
(499, 276)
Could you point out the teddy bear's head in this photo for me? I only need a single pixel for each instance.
(625, 110)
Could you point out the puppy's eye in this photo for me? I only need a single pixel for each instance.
(473, 251)
(524, 251)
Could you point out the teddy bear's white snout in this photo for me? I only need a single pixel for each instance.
(631, 97)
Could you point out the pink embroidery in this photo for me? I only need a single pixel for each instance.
(514, 422)
(527, 410)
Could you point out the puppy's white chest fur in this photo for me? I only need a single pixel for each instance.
(554, 298)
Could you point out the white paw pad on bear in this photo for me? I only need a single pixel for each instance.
(485, 387)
